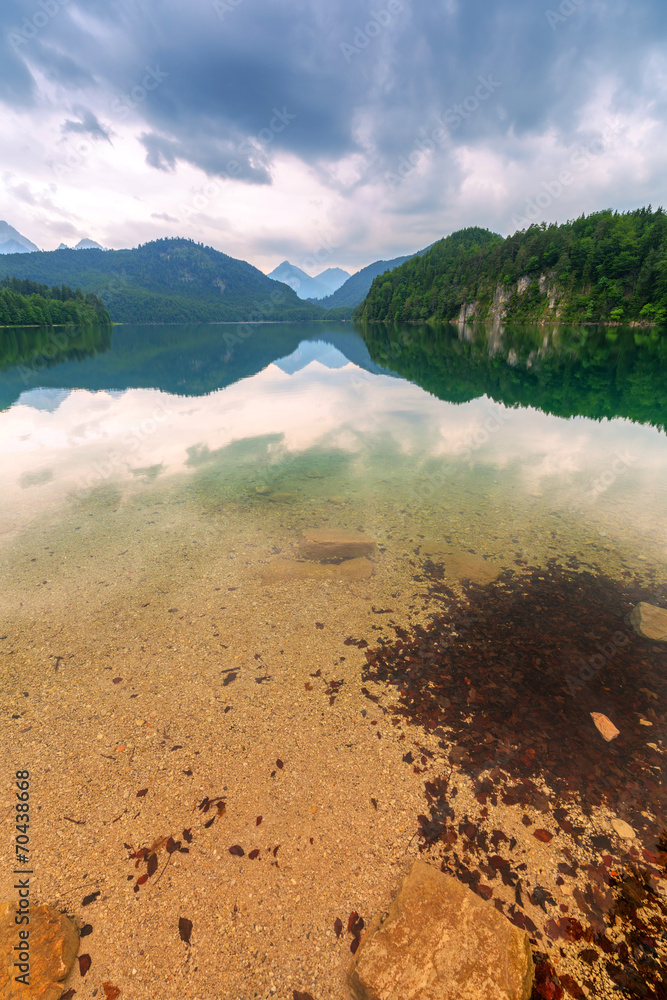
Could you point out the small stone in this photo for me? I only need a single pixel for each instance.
(650, 622)
(440, 941)
(623, 829)
(335, 543)
(605, 726)
(280, 497)
(54, 942)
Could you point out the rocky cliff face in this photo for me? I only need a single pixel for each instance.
(535, 299)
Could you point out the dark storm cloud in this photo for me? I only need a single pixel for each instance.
(87, 124)
(208, 78)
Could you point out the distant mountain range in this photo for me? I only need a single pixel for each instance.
(11, 240)
(177, 280)
(166, 281)
(305, 286)
(84, 244)
(357, 287)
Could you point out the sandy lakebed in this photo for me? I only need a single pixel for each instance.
(168, 690)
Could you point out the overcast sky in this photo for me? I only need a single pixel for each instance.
(327, 132)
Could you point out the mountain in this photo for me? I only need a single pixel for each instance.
(302, 283)
(305, 286)
(309, 351)
(601, 268)
(12, 246)
(332, 278)
(356, 288)
(11, 240)
(166, 281)
(86, 244)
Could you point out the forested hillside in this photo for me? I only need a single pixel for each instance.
(27, 303)
(166, 281)
(606, 267)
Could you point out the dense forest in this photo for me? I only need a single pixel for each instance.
(167, 281)
(608, 267)
(28, 303)
(593, 371)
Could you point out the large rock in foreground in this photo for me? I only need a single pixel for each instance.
(440, 941)
(650, 622)
(335, 543)
(53, 944)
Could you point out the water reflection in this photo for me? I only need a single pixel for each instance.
(314, 405)
(566, 371)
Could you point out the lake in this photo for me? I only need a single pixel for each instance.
(177, 663)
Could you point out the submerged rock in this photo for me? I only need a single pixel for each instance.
(335, 543)
(650, 622)
(605, 726)
(280, 497)
(459, 564)
(288, 570)
(53, 944)
(623, 829)
(440, 941)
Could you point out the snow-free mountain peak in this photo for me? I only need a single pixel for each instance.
(305, 286)
(86, 244)
(11, 240)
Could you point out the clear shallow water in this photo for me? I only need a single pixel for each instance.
(208, 418)
(156, 484)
